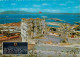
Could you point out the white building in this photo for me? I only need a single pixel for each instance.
(31, 28)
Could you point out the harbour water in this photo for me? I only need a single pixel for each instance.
(67, 18)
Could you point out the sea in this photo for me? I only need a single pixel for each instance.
(12, 18)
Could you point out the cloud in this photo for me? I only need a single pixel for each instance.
(62, 4)
(36, 5)
(24, 9)
(1, 10)
(55, 0)
(34, 9)
(38, 9)
(51, 10)
(77, 6)
(44, 4)
(13, 3)
(69, 7)
(69, 2)
(30, 9)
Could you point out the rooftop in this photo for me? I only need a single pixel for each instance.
(12, 24)
(8, 38)
(31, 19)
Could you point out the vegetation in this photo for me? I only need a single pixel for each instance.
(53, 29)
(78, 28)
(0, 32)
(63, 41)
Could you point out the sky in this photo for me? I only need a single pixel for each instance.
(52, 6)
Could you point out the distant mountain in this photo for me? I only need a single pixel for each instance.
(24, 12)
(15, 12)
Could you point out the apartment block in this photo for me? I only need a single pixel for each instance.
(31, 28)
